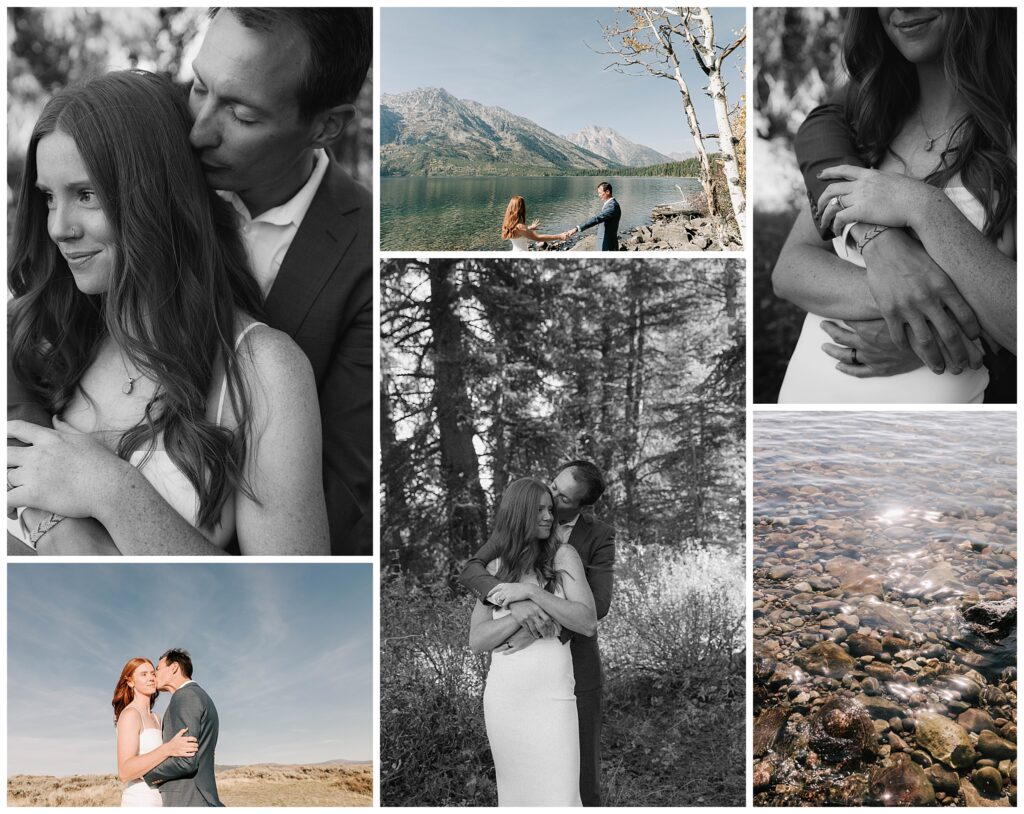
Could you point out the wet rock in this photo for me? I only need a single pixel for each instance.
(903, 783)
(848, 621)
(942, 779)
(988, 781)
(944, 739)
(781, 572)
(841, 732)
(767, 728)
(879, 706)
(861, 645)
(764, 770)
(975, 720)
(881, 672)
(825, 658)
(991, 745)
(994, 619)
(973, 798)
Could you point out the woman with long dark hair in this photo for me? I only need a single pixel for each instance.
(140, 745)
(180, 422)
(515, 230)
(931, 104)
(529, 705)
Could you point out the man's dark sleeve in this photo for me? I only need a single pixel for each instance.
(186, 712)
(825, 139)
(21, 405)
(346, 408)
(474, 574)
(600, 573)
(606, 213)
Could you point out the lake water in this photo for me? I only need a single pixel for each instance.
(465, 214)
(875, 534)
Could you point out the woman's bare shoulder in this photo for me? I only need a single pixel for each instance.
(272, 356)
(130, 717)
(565, 554)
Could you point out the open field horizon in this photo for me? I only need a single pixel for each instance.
(333, 784)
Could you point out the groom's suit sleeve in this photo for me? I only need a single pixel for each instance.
(187, 712)
(825, 139)
(474, 574)
(600, 572)
(607, 211)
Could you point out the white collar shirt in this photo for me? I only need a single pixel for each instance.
(564, 530)
(269, 235)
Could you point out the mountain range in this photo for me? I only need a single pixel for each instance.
(429, 132)
(609, 143)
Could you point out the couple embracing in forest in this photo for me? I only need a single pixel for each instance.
(542, 581)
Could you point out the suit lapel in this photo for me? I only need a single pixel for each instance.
(320, 242)
(580, 538)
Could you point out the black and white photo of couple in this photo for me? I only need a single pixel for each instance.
(169, 762)
(562, 578)
(902, 260)
(515, 230)
(191, 323)
(262, 697)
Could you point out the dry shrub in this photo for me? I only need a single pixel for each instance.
(677, 615)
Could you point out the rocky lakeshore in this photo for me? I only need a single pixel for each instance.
(884, 639)
(676, 227)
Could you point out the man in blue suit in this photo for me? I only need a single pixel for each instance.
(607, 220)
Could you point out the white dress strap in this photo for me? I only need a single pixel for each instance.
(224, 384)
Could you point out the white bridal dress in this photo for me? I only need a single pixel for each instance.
(520, 244)
(137, 792)
(530, 712)
(812, 378)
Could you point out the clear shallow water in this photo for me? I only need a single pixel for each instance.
(465, 214)
(872, 535)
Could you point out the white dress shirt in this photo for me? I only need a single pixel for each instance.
(269, 235)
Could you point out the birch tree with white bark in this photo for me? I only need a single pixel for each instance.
(656, 41)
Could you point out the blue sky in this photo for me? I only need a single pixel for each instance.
(285, 651)
(536, 63)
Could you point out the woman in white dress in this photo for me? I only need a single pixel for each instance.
(529, 703)
(140, 746)
(181, 424)
(515, 230)
(937, 126)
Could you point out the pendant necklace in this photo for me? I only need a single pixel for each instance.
(129, 382)
(930, 140)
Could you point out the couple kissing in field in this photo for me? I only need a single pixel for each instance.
(168, 764)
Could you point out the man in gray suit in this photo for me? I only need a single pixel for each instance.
(186, 781)
(607, 220)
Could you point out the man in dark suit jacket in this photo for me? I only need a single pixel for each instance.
(577, 486)
(607, 220)
(825, 140)
(186, 781)
(273, 87)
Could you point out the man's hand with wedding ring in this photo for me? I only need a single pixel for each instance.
(864, 349)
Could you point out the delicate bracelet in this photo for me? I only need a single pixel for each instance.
(870, 235)
(44, 526)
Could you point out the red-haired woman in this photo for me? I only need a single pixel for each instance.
(140, 746)
(514, 227)
(529, 704)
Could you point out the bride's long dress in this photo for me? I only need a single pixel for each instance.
(137, 792)
(530, 712)
(812, 378)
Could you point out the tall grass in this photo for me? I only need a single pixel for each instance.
(672, 648)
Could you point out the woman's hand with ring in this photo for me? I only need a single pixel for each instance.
(507, 592)
(868, 196)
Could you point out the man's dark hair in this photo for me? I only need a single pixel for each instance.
(180, 657)
(588, 474)
(340, 49)
(604, 186)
